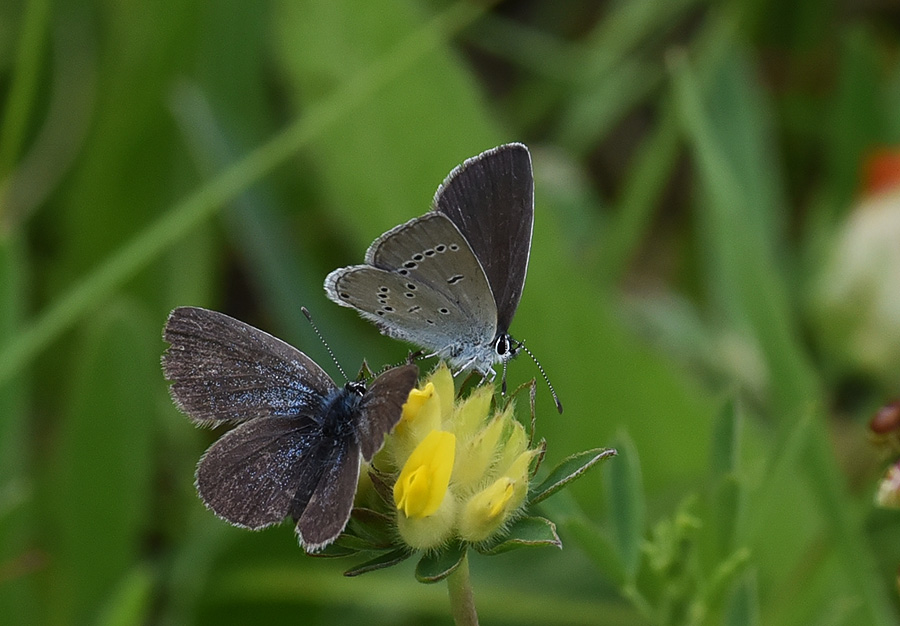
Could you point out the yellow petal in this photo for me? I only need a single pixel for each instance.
(423, 481)
(421, 415)
(515, 444)
(486, 511)
(472, 413)
(416, 400)
(478, 455)
(442, 378)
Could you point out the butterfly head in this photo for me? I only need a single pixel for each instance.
(356, 387)
(505, 347)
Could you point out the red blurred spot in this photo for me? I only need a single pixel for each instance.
(887, 419)
(881, 171)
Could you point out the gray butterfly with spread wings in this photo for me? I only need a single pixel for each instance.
(296, 451)
(450, 281)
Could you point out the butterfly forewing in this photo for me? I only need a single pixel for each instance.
(490, 199)
(225, 370)
(252, 475)
(382, 406)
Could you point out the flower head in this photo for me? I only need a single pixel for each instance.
(463, 471)
(454, 474)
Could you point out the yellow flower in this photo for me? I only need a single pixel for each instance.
(425, 476)
(464, 469)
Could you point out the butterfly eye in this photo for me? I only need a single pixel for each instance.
(502, 345)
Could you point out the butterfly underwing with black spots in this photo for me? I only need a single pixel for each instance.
(450, 281)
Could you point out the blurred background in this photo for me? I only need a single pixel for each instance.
(713, 290)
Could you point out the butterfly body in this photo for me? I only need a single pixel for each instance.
(300, 439)
(450, 281)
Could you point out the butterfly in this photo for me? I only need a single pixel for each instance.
(450, 281)
(296, 450)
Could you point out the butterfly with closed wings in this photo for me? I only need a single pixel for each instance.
(450, 281)
(297, 448)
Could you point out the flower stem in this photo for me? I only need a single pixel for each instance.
(462, 600)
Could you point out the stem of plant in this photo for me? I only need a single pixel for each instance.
(462, 600)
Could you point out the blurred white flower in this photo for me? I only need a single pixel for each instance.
(857, 296)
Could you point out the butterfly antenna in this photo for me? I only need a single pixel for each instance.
(325, 343)
(559, 406)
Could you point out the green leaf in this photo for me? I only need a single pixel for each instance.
(354, 179)
(436, 566)
(347, 542)
(725, 447)
(388, 559)
(374, 528)
(524, 532)
(106, 447)
(727, 490)
(568, 470)
(132, 600)
(743, 605)
(18, 598)
(336, 550)
(738, 224)
(724, 515)
(626, 506)
(597, 545)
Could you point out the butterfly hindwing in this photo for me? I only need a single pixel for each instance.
(327, 510)
(422, 284)
(382, 406)
(225, 370)
(253, 473)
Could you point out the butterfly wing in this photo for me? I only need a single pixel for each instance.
(252, 475)
(382, 406)
(322, 516)
(423, 284)
(490, 199)
(225, 370)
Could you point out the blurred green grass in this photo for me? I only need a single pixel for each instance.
(694, 162)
